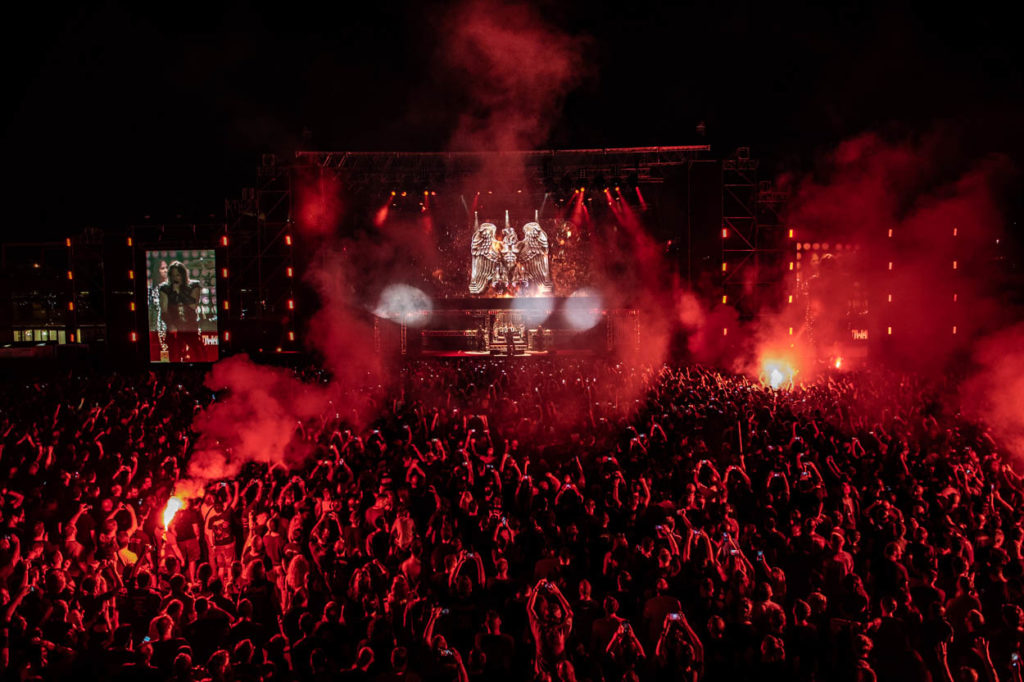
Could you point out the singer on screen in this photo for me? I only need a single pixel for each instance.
(179, 309)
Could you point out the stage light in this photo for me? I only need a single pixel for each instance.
(70, 275)
(129, 242)
(791, 331)
(791, 298)
(954, 265)
(791, 233)
(890, 298)
(890, 265)
(582, 310)
(224, 273)
(226, 306)
(291, 304)
(71, 338)
(890, 233)
(134, 337)
(291, 336)
(725, 299)
(224, 240)
(790, 265)
(131, 274)
(954, 298)
(403, 194)
(954, 234)
(288, 240)
(839, 363)
(725, 331)
(392, 192)
(724, 266)
(954, 330)
(227, 336)
(71, 305)
(404, 303)
(889, 331)
(725, 233)
(289, 271)
(534, 311)
(131, 306)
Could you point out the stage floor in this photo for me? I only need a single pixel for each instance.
(481, 354)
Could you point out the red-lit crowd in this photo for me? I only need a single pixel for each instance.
(550, 520)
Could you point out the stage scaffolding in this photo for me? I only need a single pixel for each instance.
(753, 237)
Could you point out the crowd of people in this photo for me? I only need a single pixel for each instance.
(506, 520)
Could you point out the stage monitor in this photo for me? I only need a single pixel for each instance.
(181, 290)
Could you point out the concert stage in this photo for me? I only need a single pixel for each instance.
(525, 326)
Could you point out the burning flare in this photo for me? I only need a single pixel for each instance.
(173, 505)
(777, 374)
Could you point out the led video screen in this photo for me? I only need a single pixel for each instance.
(182, 305)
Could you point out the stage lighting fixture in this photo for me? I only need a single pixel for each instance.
(582, 310)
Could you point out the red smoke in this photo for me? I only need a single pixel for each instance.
(925, 224)
(514, 68)
(995, 393)
(255, 421)
(318, 203)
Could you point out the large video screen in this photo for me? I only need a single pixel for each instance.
(182, 305)
(544, 257)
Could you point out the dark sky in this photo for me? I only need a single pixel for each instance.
(116, 111)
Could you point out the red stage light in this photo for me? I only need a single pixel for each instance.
(224, 240)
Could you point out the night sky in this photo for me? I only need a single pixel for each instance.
(118, 111)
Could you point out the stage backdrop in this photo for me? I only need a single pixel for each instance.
(182, 305)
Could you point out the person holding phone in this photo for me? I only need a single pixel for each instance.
(550, 622)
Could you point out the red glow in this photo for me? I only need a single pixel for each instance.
(224, 240)
(319, 204)
(381, 216)
(640, 196)
(134, 337)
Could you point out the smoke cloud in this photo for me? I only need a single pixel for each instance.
(995, 391)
